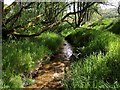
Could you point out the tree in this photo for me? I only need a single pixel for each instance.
(49, 14)
(119, 7)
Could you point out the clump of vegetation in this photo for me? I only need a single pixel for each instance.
(50, 40)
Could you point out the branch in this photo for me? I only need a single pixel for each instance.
(70, 23)
(118, 9)
(17, 14)
(40, 31)
(96, 10)
(71, 13)
(62, 10)
(7, 9)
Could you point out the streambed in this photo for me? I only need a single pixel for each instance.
(50, 75)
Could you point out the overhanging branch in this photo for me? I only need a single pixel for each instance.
(40, 31)
(71, 13)
(17, 14)
(54, 24)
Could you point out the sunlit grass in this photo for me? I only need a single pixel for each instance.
(97, 70)
(22, 55)
(99, 66)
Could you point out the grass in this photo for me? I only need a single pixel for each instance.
(99, 63)
(21, 56)
(94, 72)
(98, 66)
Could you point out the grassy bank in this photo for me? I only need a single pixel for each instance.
(99, 62)
(21, 56)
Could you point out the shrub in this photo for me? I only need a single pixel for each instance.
(115, 28)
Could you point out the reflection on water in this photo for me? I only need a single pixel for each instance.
(67, 50)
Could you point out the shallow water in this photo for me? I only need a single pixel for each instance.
(67, 50)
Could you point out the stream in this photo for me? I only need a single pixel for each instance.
(67, 50)
(50, 75)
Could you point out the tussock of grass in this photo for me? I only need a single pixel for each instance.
(50, 40)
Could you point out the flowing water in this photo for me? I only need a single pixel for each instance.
(49, 76)
(67, 50)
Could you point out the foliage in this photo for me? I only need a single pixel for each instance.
(102, 23)
(31, 17)
(13, 81)
(51, 40)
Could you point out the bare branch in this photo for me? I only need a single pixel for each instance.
(62, 10)
(71, 13)
(7, 9)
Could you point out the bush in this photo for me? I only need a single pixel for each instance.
(21, 55)
(10, 80)
(99, 42)
(113, 61)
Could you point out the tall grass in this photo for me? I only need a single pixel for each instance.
(100, 65)
(22, 55)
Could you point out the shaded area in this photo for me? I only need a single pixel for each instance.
(115, 27)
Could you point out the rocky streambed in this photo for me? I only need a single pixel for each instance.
(50, 75)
